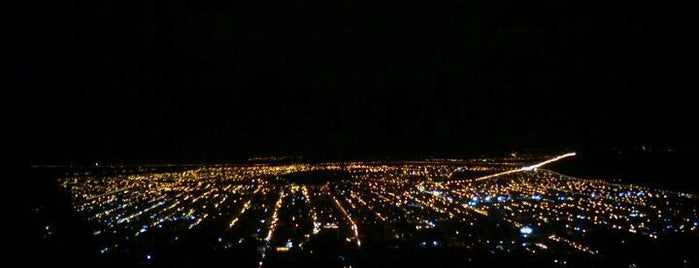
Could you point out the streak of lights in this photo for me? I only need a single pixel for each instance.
(353, 226)
(246, 206)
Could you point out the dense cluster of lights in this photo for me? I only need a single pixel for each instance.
(538, 210)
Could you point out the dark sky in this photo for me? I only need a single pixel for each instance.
(218, 80)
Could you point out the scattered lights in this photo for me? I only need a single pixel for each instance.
(407, 199)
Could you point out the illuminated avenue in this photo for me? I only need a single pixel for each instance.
(519, 208)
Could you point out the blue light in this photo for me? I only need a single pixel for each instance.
(526, 230)
(487, 198)
(474, 198)
(501, 198)
(148, 257)
(536, 197)
(561, 198)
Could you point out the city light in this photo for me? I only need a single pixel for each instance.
(420, 203)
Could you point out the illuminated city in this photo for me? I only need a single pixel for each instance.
(344, 211)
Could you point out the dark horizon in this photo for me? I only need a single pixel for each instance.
(205, 81)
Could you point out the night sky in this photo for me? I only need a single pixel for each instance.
(154, 81)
